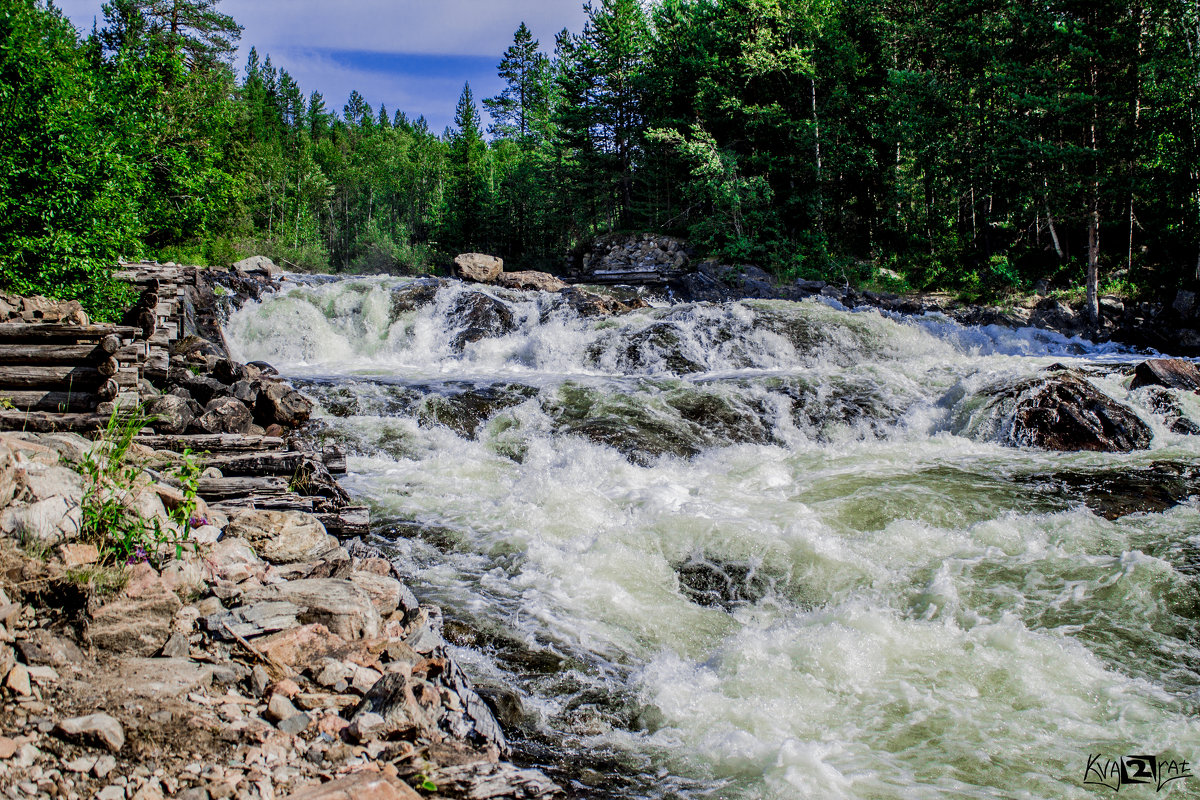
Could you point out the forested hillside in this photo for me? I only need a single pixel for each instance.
(966, 144)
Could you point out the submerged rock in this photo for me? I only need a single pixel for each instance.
(415, 295)
(1063, 411)
(1117, 493)
(477, 316)
(1173, 373)
(714, 582)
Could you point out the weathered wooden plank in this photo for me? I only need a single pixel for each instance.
(282, 502)
(43, 354)
(347, 522)
(212, 443)
(228, 488)
(257, 464)
(335, 460)
(40, 400)
(43, 422)
(41, 332)
(54, 376)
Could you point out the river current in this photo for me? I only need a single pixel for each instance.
(760, 549)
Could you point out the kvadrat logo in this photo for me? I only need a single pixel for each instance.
(1114, 773)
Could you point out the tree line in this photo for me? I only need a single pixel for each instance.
(964, 144)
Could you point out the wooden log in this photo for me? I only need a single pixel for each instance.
(43, 422)
(283, 502)
(44, 354)
(54, 376)
(42, 332)
(212, 443)
(219, 489)
(108, 390)
(39, 400)
(347, 522)
(258, 464)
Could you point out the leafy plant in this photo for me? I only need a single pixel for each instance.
(109, 522)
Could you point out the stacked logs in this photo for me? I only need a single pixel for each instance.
(63, 375)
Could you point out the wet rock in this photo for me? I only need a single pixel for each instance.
(715, 582)
(283, 537)
(590, 304)
(1063, 411)
(477, 316)
(659, 344)
(464, 412)
(505, 703)
(361, 786)
(337, 604)
(280, 404)
(225, 415)
(1115, 494)
(530, 281)
(478, 267)
(171, 414)
(411, 296)
(98, 728)
(488, 781)
(1173, 373)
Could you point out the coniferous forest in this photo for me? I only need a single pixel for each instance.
(972, 145)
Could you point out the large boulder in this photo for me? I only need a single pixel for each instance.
(476, 316)
(345, 609)
(478, 267)
(283, 537)
(1173, 373)
(1063, 411)
(225, 415)
(530, 281)
(280, 404)
(138, 622)
(171, 414)
(260, 265)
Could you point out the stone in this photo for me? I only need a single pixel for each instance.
(49, 521)
(280, 708)
(43, 675)
(257, 264)
(170, 414)
(138, 625)
(259, 680)
(8, 475)
(1185, 303)
(112, 792)
(233, 559)
(385, 591)
(1173, 373)
(280, 404)
(78, 554)
(104, 766)
(283, 537)
(81, 764)
(483, 780)
(18, 681)
(359, 786)
(95, 728)
(253, 619)
(8, 748)
(45, 648)
(336, 603)
(164, 677)
(1062, 411)
(477, 316)
(530, 281)
(225, 415)
(176, 647)
(393, 700)
(478, 267)
(295, 724)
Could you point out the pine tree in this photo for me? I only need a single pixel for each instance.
(467, 156)
(521, 109)
(195, 27)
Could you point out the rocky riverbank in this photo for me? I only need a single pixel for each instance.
(157, 644)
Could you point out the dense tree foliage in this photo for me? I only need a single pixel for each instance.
(974, 144)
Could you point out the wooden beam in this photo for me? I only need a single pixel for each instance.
(212, 443)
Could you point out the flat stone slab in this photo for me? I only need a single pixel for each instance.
(164, 677)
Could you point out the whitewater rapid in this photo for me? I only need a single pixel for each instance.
(761, 549)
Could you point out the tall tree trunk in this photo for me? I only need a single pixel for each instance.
(1093, 265)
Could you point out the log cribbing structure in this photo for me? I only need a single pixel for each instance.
(65, 377)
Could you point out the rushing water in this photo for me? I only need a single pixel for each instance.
(764, 549)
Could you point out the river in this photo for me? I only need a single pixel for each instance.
(759, 549)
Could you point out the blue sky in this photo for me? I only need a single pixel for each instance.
(412, 55)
